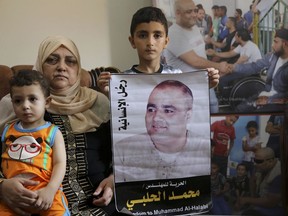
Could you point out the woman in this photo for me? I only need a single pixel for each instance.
(83, 117)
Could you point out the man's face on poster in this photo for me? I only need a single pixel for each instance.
(167, 115)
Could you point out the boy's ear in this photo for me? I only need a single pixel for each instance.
(131, 40)
(48, 101)
(166, 41)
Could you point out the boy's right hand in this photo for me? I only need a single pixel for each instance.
(103, 82)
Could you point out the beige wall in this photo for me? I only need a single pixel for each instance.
(100, 28)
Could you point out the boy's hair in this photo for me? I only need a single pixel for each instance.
(239, 11)
(146, 15)
(30, 77)
(199, 6)
(241, 164)
(224, 8)
(252, 124)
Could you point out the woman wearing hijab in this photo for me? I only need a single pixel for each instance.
(83, 117)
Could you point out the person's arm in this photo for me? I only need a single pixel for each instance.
(46, 195)
(196, 61)
(213, 76)
(270, 128)
(254, 9)
(230, 147)
(228, 54)
(216, 44)
(245, 146)
(242, 59)
(251, 68)
(7, 113)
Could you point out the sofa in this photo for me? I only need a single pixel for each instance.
(88, 77)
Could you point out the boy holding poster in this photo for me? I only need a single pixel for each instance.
(149, 36)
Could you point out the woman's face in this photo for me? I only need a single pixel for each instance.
(61, 69)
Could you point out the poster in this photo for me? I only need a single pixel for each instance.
(161, 143)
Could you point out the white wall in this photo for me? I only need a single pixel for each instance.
(100, 28)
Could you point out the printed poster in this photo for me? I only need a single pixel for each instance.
(161, 143)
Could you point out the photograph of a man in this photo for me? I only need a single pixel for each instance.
(168, 149)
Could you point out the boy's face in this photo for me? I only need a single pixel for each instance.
(252, 131)
(201, 14)
(149, 39)
(241, 171)
(230, 120)
(214, 169)
(29, 105)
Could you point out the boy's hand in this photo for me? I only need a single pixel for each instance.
(213, 75)
(45, 199)
(103, 82)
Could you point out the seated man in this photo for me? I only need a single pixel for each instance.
(248, 51)
(228, 43)
(268, 201)
(276, 87)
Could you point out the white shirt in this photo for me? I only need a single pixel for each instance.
(250, 50)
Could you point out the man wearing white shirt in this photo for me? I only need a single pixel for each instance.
(248, 51)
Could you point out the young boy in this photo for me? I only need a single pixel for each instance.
(219, 186)
(149, 36)
(223, 137)
(240, 185)
(32, 147)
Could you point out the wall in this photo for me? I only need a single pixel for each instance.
(100, 28)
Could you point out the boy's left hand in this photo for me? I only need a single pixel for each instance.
(103, 81)
(45, 199)
(213, 75)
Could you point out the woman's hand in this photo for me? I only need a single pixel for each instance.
(14, 194)
(103, 82)
(104, 192)
(213, 75)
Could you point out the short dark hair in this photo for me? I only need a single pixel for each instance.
(239, 11)
(146, 15)
(30, 77)
(224, 8)
(252, 124)
(215, 7)
(199, 6)
(244, 34)
(233, 20)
